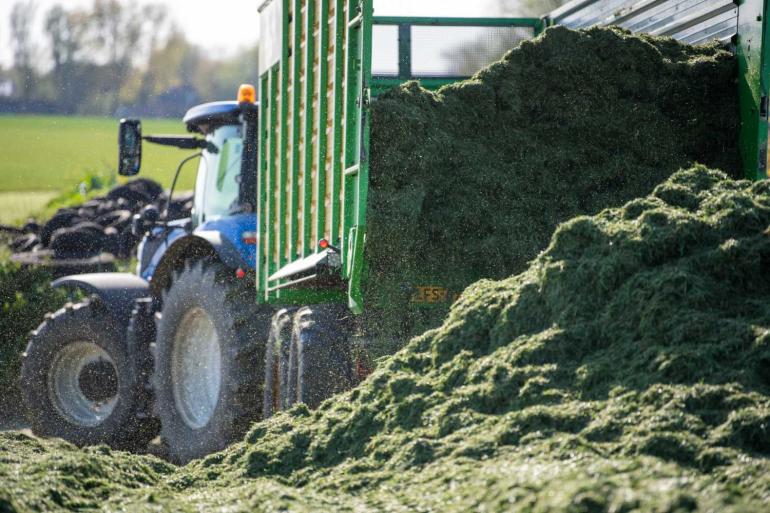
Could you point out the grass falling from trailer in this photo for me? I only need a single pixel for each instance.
(471, 181)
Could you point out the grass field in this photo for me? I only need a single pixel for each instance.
(51, 153)
(18, 205)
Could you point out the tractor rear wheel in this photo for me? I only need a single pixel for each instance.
(209, 359)
(320, 354)
(78, 382)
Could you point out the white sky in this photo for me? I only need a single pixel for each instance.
(223, 26)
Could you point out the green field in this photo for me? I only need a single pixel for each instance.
(51, 153)
(18, 205)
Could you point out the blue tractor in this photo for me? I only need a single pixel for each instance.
(176, 348)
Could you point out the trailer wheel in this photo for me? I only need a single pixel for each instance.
(277, 363)
(78, 383)
(209, 360)
(320, 354)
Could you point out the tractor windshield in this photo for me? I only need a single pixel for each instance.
(216, 187)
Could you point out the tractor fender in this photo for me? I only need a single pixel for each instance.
(226, 251)
(201, 244)
(118, 291)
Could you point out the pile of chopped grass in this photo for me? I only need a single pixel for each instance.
(627, 369)
(633, 355)
(469, 182)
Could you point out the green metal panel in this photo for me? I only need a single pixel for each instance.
(283, 158)
(357, 155)
(264, 154)
(323, 113)
(307, 175)
(296, 94)
(353, 112)
(753, 86)
(339, 76)
(265, 211)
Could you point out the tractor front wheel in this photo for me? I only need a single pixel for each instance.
(209, 358)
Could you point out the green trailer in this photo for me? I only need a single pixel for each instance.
(322, 65)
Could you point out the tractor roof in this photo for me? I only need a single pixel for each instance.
(210, 116)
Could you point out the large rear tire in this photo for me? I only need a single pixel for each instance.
(209, 360)
(78, 382)
(320, 357)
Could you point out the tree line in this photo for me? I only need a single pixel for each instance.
(113, 58)
(117, 58)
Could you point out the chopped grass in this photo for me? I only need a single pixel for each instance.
(625, 368)
(469, 182)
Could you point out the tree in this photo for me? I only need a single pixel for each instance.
(156, 26)
(67, 32)
(117, 56)
(22, 17)
(117, 32)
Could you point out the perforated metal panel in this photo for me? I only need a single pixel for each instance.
(690, 21)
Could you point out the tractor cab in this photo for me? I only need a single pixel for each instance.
(219, 170)
(225, 185)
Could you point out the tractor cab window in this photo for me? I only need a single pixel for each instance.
(216, 187)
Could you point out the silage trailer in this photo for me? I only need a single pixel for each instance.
(181, 348)
(322, 65)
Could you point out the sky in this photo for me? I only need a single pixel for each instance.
(224, 26)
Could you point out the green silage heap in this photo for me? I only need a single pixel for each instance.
(627, 369)
(470, 182)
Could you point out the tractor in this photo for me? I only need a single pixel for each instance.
(175, 349)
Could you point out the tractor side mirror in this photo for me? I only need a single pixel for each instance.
(130, 146)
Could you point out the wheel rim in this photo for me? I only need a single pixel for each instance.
(83, 383)
(196, 368)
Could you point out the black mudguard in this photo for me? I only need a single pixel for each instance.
(201, 244)
(118, 291)
(228, 254)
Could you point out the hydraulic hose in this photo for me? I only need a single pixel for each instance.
(176, 177)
